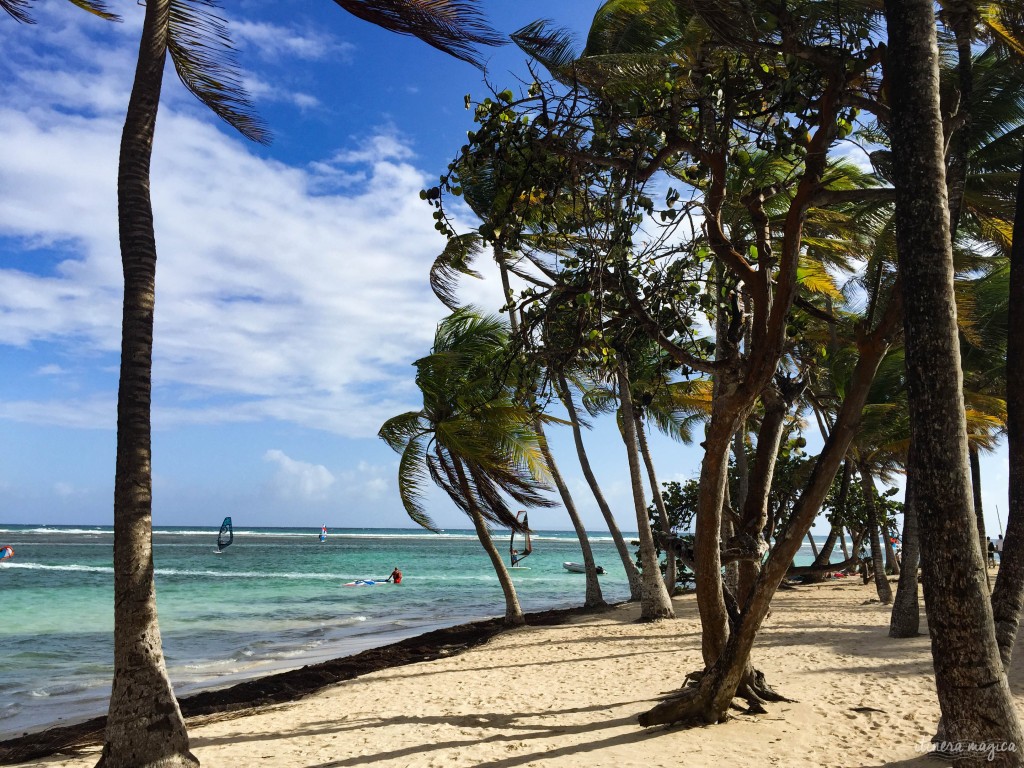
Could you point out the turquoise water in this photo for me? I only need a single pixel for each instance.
(273, 600)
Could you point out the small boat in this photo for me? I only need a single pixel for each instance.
(579, 568)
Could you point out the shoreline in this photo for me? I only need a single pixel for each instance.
(287, 686)
(566, 690)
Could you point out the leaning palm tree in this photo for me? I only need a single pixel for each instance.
(144, 724)
(470, 437)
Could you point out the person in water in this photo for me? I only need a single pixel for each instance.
(396, 576)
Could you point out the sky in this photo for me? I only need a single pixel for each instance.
(292, 279)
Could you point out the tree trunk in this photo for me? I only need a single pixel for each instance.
(973, 694)
(979, 513)
(513, 611)
(659, 504)
(144, 723)
(628, 564)
(655, 602)
(710, 700)
(906, 611)
(1008, 594)
(814, 547)
(836, 532)
(755, 508)
(892, 564)
(593, 597)
(881, 581)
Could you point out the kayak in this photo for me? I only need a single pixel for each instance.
(579, 568)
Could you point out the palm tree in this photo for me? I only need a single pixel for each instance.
(144, 724)
(470, 437)
(972, 688)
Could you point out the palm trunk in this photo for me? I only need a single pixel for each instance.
(513, 611)
(979, 513)
(973, 693)
(144, 722)
(836, 532)
(655, 602)
(1008, 594)
(892, 564)
(814, 547)
(881, 581)
(659, 503)
(593, 597)
(906, 611)
(628, 564)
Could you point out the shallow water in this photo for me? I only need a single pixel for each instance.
(273, 600)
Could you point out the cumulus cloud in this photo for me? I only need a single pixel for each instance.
(299, 480)
(283, 293)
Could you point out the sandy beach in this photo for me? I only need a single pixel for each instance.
(568, 695)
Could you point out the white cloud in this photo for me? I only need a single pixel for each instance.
(298, 480)
(283, 293)
(274, 42)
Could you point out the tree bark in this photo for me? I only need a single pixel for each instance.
(979, 513)
(973, 694)
(1008, 594)
(905, 620)
(144, 723)
(881, 580)
(655, 602)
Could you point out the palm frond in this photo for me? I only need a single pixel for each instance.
(18, 10)
(455, 260)
(204, 58)
(454, 27)
(552, 47)
(410, 482)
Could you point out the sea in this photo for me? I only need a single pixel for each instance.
(274, 600)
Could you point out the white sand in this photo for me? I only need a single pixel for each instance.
(569, 696)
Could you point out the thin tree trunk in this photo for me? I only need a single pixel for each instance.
(659, 504)
(973, 693)
(892, 563)
(881, 581)
(979, 513)
(593, 597)
(842, 541)
(814, 547)
(628, 564)
(906, 611)
(1008, 594)
(144, 722)
(513, 611)
(655, 602)
(836, 532)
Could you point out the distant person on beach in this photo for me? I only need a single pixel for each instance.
(396, 576)
(991, 552)
(999, 548)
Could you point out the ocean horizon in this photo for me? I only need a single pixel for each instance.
(276, 599)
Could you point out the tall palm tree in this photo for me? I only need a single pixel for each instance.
(470, 437)
(144, 724)
(972, 688)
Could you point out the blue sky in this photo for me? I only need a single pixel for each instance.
(292, 289)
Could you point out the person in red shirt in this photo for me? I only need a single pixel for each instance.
(396, 576)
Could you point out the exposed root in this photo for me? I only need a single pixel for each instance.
(693, 703)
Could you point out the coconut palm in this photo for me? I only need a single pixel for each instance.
(144, 724)
(470, 437)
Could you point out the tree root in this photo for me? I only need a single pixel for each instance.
(692, 704)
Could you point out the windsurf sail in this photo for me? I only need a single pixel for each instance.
(6, 553)
(323, 533)
(226, 535)
(514, 552)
